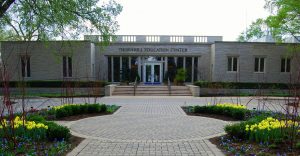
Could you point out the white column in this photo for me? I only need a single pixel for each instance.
(112, 69)
(198, 68)
(139, 66)
(193, 69)
(166, 64)
(129, 62)
(175, 60)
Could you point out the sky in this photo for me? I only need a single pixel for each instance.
(227, 18)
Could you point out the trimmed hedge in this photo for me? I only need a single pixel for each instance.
(244, 85)
(57, 84)
(236, 113)
(76, 109)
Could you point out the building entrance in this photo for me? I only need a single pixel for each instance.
(152, 73)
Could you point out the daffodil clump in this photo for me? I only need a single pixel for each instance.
(18, 122)
(231, 105)
(269, 129)
(28, 128)
(63, 106)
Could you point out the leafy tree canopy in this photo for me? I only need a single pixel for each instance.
(64, 19)
(255, 31)
(284, 21)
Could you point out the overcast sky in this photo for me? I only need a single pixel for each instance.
(227, 18)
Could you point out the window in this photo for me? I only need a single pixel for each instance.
(259, 64)
(25, 66)
(232, 65)
(67, 66)
(285, 65)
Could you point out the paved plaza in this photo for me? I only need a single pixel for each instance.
(150, 125)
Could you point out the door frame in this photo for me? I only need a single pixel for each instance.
(152, 64)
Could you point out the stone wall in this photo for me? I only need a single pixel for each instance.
(46, 59)
(246, 53)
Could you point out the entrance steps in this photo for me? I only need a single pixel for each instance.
(144, 90)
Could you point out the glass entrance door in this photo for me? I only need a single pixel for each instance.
(152, 73)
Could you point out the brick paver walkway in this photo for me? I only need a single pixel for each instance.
(150, 125)
(147, 126)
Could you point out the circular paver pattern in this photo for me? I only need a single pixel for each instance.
(155, 128)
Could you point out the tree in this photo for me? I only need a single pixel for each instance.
(64, 19)
(284, 21)
(285, 18)
(256, 30)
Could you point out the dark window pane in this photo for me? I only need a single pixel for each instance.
(256, 64)
(229, 64)
(171, 69)
(235, 64)
(282, 65)
(195, 68)
(23, 66)
(116, 69)
(188, 68)
(262, 65)
(69, 66)
(134, 69)
(64, 66)
(179, 62)
(125, 69)
(28, 66)
(288, 65)
(109, 68)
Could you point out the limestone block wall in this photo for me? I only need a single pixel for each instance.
(46, 59)
(246, 53)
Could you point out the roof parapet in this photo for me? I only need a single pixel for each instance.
(155, 39)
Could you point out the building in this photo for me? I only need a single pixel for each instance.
(151, 59)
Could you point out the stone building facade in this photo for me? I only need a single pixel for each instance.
(151, 59)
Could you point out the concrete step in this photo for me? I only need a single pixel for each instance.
(144, 90)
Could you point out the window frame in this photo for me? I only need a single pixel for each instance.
(259, 64)
(232, 64)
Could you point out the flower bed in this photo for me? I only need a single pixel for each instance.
(33, 137)
(265, 133)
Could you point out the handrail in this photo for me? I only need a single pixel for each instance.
(169, 86)
(135, 85)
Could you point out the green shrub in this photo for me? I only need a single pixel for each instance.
(83, 108)
(239, 114)
(60, 113)
(76, 110)
(35, 117)
(298, 145)
(243, 85)
(200, 109)
(57, 84)
(57, 132)
(94, 108)
(236, 113)
(103, 108)
(237, 130)
(180, 76)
